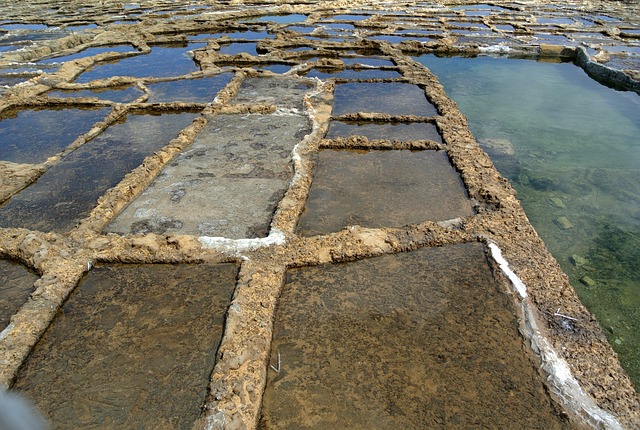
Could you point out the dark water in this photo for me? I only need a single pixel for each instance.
(239, 47)
(161, 62)
(89, 52)
(68, 191)
(393, 98)
(133, 347)
(570, 147)
(382, 189)
(420, 340)
(16, 284)
(118, 95)
(202, 90)
(392, 131)
(353, 74)
(33, 135)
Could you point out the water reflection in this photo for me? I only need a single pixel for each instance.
(570, 147)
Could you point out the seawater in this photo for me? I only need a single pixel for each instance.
(570, 147)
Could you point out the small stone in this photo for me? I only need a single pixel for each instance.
(587, 281)
(618, 341)
(557, 202)
(563, 223)
(577, 261)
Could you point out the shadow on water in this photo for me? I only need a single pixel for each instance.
(570, 148)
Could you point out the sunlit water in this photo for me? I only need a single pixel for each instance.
(570, 148)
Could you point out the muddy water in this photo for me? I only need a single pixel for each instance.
(570, 147)
(32, 136)
(382, 188)
(161, 62)
(228, 183)
(391, 131)
(133, 347)
(418, 340)
(69, 190)
(16, 283)
(188, 90)
(391, 98)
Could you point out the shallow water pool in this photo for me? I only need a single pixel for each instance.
(570, 148)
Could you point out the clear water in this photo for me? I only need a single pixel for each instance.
(389, 130)
(353, 74)
(419, 340)
(570, 147)
(382, 188)
(250, 35)
(201, 90)
(133, 347)
(393, 98)
(368, 61)
(160, 62)
(275, 68)
(89, 52)
(31, 136)
(23, 26)
(118, 95)
(16, 284)
(239, 47)
(68, 191)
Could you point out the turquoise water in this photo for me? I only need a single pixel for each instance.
(570, 148)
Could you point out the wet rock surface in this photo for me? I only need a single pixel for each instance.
(154, 44)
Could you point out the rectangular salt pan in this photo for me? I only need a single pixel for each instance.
(16, 284)
(228, 183)
(33, 135)
(412, 341)
(391, 131)
(393, 98)
(68, 191)
(133, 347)
(382, 189)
